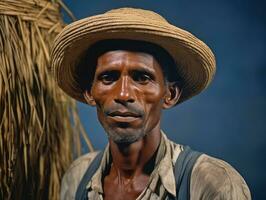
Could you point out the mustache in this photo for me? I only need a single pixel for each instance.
(131, 108)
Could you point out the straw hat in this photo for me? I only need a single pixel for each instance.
(196, 60)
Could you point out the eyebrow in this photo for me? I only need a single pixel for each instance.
(146, 69)
(143, 69)
(107, 71)
(147, 72)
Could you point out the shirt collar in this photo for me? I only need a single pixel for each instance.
(166, 167)
(96, 180)
(163, 167)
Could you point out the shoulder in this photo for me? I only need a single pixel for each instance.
(74, 174)
(213, 178)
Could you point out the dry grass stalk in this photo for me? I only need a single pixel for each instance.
(37, 137)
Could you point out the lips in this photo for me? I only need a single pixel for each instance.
(124, 116)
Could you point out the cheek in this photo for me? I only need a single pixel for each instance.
(100, 94)
(153, 96)
(153, 103)
(153, 113)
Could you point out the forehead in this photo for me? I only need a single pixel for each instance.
(126, 57)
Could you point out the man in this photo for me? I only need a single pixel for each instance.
(131, 64)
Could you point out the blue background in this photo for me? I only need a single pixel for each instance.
(228, 119)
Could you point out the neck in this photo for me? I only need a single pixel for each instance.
(129, 160)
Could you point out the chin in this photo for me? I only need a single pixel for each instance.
(124, 135)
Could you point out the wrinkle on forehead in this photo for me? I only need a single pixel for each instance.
(118, 57)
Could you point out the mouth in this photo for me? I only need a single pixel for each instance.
(124, 116)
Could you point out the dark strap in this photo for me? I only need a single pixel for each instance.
(183, 168)
(81, 193)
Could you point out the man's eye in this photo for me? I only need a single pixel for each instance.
(141, 77)
(108, 78)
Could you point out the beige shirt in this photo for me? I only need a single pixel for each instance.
(211, 178)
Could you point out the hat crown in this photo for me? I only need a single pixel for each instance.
(137, 12)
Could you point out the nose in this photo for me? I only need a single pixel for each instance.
(125, 93)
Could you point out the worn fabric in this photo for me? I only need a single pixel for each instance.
(211, 178)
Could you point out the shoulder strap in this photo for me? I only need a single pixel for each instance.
(81, 193)
(183, 168)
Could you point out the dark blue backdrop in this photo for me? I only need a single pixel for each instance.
(228, 119)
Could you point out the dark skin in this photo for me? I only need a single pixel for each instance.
(129, 91)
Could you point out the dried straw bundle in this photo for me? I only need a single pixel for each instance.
(37, 135)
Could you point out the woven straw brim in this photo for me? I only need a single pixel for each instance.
(195, 59)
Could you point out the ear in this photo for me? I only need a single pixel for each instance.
(89, 99)
(172, 96)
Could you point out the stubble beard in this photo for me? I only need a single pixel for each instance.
(124, 136)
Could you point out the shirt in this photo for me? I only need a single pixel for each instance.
(211, 178)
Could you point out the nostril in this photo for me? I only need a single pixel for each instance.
(124, 101)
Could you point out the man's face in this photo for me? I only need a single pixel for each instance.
(128, 90)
